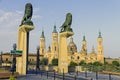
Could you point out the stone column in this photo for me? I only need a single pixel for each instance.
(63, 54)
(23, 44)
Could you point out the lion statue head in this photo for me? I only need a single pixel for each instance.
(27, 14)
(68, 19)
(67, 24)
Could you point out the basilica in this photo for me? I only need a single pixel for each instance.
(52, 52)
(73, 55)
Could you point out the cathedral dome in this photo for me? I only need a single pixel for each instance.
(93, 53)
(72, 48)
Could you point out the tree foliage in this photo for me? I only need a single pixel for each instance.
(44, 61)
(82, 63)
(73, 63)
(97, 64)
(55, 62)
(115, 63)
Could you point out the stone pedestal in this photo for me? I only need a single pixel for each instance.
(23, 44)
(63, 54)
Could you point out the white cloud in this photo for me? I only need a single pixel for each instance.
(35, 13)
(9, 23)
(9, 20)
(35, 10)
(5, 16)
(36, 17)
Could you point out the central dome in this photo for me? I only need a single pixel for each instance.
(72, 48)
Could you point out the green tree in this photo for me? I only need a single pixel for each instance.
(97, 64)
(82, 63)
(44, 61)
(73, 63)
(105, 63)
(90, 66)
(55, 62)
(115, 63)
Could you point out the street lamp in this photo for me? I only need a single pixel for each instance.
(78, 64)
(85, 67)
(14, 46)
(37, 59)
(13, 59)
(1, 58)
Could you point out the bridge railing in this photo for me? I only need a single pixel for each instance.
(62, 76)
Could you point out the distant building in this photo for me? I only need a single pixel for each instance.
(7, 60)
(110, 60)
(73, 55)
(53, 50)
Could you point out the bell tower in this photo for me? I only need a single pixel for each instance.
(84, 45)
(55, 42)
(100, 55)
(42, 44)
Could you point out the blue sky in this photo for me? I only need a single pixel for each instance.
(89, 16)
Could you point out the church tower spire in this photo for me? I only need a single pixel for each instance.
(54, 30)
(99, 35)
(84, 38)
(100, 55)
(42, 35)
(84, 45)
(42, 43)
(55, 42)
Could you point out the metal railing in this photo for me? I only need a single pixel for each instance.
(63, 76)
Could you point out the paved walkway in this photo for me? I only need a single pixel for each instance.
(36, 77)
(100, 76)
(44, 77)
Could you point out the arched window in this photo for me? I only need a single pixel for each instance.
(30, 59)
(6, 59)
(55, 48)
(78, 57)
(42, 50)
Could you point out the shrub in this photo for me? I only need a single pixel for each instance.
(55, 62)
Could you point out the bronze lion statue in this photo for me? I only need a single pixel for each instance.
(27, 15)
(67, 24)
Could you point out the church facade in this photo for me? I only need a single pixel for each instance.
(73, 54)
(53, 52)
